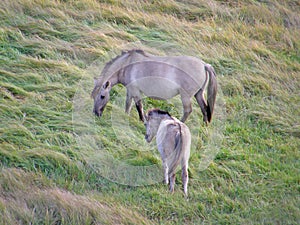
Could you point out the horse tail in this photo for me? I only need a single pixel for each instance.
(181, 150)
(211, 91)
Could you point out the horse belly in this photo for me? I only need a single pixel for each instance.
(156, 87)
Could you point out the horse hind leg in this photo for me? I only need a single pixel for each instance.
(202, 103)
(166, 173)
(172, 182)
(187, 107)
(185, 179)
(128, 104)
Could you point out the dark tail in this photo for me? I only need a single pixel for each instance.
(211, 91)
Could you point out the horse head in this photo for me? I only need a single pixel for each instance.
(153, 119)
(101, 97)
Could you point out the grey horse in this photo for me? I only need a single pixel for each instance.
(159, 77)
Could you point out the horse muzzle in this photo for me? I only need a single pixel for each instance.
(97, 112)
(148, 138)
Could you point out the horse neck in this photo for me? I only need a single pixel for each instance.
(165, 120)
(120, 65)
(164, 129)
(168, 117)
(130, 59)
(114, 79)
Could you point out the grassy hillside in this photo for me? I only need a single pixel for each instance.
(60, 165)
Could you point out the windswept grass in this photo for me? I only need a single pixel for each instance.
(51, 172)
(28, 198)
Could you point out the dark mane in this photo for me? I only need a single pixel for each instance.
(139, 51)
(112, 61)
(159, 112)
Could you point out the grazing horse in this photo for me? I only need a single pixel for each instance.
(159, 77)
(173, 140)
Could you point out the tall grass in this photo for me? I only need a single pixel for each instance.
(49, 53)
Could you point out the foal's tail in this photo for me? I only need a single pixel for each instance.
(211, 91)
(182, 149)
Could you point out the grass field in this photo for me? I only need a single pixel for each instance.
(60, 165)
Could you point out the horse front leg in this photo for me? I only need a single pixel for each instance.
(187, 107)
(128, 103)
(139, 107)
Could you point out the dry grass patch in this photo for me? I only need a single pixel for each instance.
(28, 198)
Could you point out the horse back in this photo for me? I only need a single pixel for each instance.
(170, 73)
(174, 140)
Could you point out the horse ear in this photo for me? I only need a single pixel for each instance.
(95, 80)
(107, 84)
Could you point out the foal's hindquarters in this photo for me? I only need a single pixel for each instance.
(173, 142)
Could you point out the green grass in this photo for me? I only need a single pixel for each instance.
(51, 169)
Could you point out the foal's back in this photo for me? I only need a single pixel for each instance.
(169, 135)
